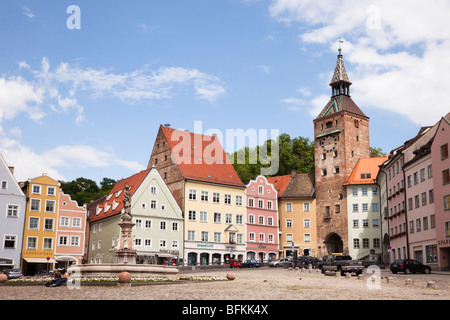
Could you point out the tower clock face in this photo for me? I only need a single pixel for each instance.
(328, 143)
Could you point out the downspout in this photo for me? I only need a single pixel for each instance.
(406, 209)
(381, 214)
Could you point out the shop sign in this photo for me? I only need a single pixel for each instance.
(444, 242)
(204, 245)
(6, 261)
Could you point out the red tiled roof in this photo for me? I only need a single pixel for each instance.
(280, 183)
(201, 158)
(365, 166)
(112, 203)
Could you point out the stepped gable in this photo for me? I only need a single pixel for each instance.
(113, 203)
(201, 157)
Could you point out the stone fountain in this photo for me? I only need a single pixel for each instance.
(125, 253)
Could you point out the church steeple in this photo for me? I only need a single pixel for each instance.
(340, 84)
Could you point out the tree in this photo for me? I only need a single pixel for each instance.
(293, 155)
(83, 190)
(376, 152)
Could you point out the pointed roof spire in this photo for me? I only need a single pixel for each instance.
(340, 73)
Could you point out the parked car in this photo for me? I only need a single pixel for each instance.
(299, 262)
(315, 261)
(342, 263)
(284, 262)
(409, 266)
(250, 264)
(235, 263)
(14, 273)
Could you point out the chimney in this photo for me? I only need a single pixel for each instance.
(12, 170)
(293, 174)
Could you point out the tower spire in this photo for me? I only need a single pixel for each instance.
(340, 84)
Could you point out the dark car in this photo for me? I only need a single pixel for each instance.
(14, 273)
(409, 266)
(250, 264)
(300, 262)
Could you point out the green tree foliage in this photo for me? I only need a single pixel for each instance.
(376, 152)
(295, 154)
(83, 190)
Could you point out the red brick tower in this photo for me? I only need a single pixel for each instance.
(341, 137)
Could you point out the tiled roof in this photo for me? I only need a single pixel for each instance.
(296, 185)
(300, 186)
(201, 157)
(366, 170)
(341, 103)
(280, 183)
(340, 73)
(112, 204)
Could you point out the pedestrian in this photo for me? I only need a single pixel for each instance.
(61, 280)
(56, 276)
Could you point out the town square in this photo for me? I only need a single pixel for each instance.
(236, 151)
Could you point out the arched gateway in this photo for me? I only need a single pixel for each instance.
(334, 243)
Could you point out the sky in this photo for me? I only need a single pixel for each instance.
(85, 85)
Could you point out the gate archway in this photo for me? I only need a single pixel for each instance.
(334, 243)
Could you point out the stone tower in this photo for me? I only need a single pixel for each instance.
(341, 137)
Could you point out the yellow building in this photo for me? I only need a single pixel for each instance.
(40, 225)
(297, 214)
(214, 223)
(208, 190)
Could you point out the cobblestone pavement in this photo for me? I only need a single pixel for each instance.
(253, 284)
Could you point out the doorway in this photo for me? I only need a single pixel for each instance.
(334, 243)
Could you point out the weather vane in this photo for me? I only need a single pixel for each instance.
(340, 49)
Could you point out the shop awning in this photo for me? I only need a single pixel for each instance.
(39, 260)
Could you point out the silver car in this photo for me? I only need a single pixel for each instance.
(284, 262)
(14, 273)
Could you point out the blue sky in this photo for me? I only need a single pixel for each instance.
(88, 102)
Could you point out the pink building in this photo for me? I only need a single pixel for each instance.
(262, 220)
(441, 178)
(70, 232)
(420, 201)
(396, 205)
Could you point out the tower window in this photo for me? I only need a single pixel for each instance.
(329, 124)
(336, 169)
(324, 172)
(356, 123)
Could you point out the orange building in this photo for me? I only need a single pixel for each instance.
(40, 225)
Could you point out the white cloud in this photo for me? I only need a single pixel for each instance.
(29, 164)
(294, 104)
(17, 95)
(147, 28)
(27, 11)
(58, 88)
(395, 51)
(142, 84)
(264, 68)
